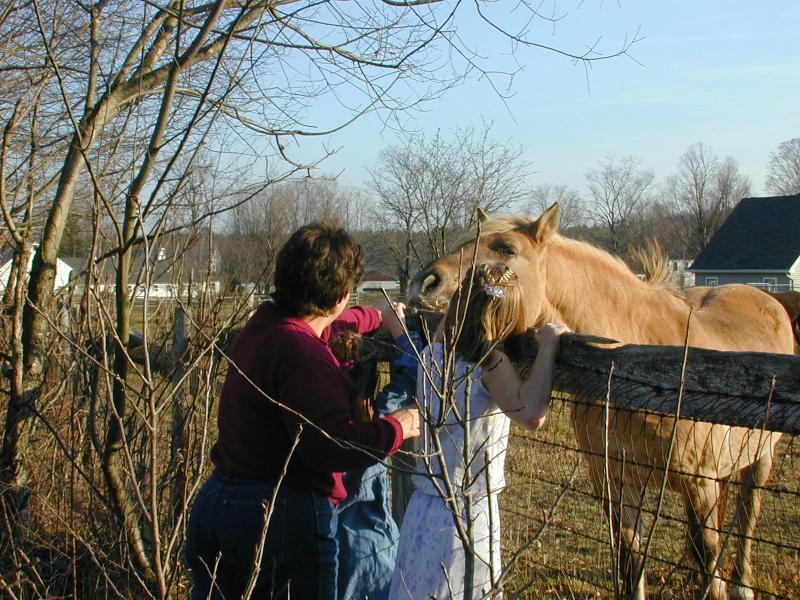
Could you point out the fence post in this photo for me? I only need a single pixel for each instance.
(180, 344)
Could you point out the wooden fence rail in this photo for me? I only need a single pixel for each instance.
(746, 389)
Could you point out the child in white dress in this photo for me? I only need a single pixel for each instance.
(463, 445)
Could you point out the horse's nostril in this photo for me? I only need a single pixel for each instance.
(430, 283)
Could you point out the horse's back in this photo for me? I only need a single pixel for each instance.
(738, 317)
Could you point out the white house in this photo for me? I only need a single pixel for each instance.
(63, 271)
(174, 271)
(375, 281)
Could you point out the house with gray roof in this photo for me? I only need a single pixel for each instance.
(177, 266)
(758, 244)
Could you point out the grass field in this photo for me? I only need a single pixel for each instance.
(571, 557)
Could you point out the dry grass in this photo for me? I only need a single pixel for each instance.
(571, 558)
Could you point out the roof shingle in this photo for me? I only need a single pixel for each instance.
(760, 234)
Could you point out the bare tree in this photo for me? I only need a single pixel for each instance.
(620, 192)
(545, 195)
(430, 190)
(783, 170)
(660, 223)
(703, 193)
(496, 172)
(255, 229)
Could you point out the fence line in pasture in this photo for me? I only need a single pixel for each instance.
(555, 524)
(571, 558)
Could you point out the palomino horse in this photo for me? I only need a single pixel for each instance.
(593, 292)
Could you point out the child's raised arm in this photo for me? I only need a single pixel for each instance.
(525, 402)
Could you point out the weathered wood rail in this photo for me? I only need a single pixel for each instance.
(744, 389)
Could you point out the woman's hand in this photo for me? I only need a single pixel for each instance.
(392, 315)
(548, 337)
(409, 421)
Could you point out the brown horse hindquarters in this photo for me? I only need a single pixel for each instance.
(791, 303)
(738, 318)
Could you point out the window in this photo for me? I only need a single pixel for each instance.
(770, 283)
(712, 280)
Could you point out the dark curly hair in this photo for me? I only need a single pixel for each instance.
(316, 267)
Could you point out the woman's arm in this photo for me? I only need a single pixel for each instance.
(318, 398)
(366, 319)
(361, 319)
(525, 402)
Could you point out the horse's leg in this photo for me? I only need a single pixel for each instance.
(694, 529)
(722, 503)
(630, 558)
(694, 550)
(625, 528)
(748, 509)
(624, 522)
(702, 495)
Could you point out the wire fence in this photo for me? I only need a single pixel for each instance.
(560, 520)
(561, 536)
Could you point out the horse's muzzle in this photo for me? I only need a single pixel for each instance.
(424, 291)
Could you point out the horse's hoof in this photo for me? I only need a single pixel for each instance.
(741, 592)
(718, 590)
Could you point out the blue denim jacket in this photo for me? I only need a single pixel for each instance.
(367, 532)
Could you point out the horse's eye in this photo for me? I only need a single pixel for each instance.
(504, 249)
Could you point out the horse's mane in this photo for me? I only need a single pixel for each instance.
(650, 259)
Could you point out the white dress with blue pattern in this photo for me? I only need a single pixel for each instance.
(430, 558)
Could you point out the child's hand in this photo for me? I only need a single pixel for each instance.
(392, 316)
(548, 336)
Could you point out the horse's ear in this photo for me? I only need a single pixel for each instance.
(482, 216)
(547, 224)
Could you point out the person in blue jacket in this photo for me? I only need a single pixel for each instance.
(367, 532)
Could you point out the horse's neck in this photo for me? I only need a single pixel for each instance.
(593, 293)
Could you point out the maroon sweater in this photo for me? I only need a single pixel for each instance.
(278, 358)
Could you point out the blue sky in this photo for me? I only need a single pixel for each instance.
(723, 73)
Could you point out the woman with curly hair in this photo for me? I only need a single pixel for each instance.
(285, 415)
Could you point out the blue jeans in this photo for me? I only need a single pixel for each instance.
(367, 538)
(225, 527)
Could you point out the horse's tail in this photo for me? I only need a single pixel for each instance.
(654, 264)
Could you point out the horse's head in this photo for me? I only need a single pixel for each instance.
(515, 241)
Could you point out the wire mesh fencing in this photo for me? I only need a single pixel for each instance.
(563, 530)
